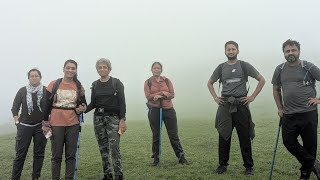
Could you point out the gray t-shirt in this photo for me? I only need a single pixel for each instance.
(232, 78)
(295, 89)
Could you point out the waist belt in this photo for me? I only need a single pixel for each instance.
(104, 111)
(64, 108)
(29, 125)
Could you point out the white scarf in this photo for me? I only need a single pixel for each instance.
(30, 90)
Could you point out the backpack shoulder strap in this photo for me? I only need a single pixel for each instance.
(94, 85)
(114, 82)
(244, 69)
(54, 89)
(220, 72)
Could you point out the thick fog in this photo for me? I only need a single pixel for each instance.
(187, 36)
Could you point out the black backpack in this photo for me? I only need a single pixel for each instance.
(308, 78)
(114, 85)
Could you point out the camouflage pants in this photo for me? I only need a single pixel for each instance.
(106, 131)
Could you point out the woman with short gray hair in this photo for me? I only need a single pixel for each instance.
(108, 99)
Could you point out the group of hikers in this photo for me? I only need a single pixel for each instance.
(54, 112)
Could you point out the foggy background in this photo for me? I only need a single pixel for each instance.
(188, 37)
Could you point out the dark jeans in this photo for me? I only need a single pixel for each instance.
(23, 140)
(305, 125)
(240, 121)
(170, 120)
(64, 137)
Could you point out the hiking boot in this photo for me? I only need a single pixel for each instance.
(305, 175)
(221, 169)
(183, 161)
(249, 171)
(107, 177)
(119, 177)
(316, 168)
(156, 162)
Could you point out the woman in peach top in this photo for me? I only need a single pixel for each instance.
(67, 103)
(159, 88)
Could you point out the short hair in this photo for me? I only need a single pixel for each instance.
(34, 69)
(155, 64)
(233, 43)
(104, 61)
(290, 42)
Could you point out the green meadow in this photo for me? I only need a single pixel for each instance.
(199, 139)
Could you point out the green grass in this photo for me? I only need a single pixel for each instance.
(199, 141)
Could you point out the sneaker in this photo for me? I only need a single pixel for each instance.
(156, 162)
(316, 168)
(107, 177)
(221, 169)
(183, 161)
(305, 175)
(119, 177)
(249, 171)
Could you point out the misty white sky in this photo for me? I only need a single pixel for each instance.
(187, 36)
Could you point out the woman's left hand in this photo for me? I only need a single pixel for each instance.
(122, 126)
(82, 108)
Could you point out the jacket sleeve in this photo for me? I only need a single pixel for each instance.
(171, 90)
(17, 103)
(122, 100)
(92, 103)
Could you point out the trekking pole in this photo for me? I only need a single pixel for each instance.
(275, 150)
(160, 133)
(78, 147)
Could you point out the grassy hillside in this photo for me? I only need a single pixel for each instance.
(199, 140)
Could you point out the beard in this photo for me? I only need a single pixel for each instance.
(230, 58)
(292, 58)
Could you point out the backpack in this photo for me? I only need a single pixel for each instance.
(150, 82)
(244, 71)
(53, 98)
(307, 79)
(114, 82)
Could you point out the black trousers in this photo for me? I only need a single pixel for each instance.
(240, 121)
(305, 125)
(23, 140)
(170, 120)
(64, 137)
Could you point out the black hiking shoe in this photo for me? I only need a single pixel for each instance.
(249, 171)
(107, 177)
(183, 161)
(305, 175)
(156, 162)
(316, 168)
(221, 169)
(119, 177)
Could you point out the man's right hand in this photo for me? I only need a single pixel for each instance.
(218, 100)
(280, 112)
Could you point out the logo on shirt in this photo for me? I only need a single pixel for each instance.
(233, 70)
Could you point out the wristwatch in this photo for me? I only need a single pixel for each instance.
(17, 122)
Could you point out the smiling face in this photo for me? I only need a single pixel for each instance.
(156, 69)
(34, 78)
(70, 70)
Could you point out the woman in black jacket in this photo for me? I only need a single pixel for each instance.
(31, 99)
